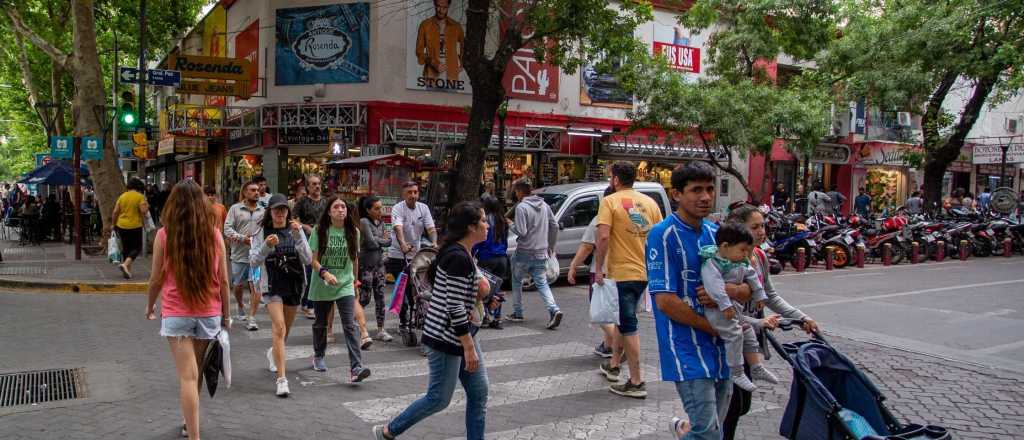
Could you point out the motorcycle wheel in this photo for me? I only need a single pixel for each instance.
(898, 251)
(982, 248)
(840, 256)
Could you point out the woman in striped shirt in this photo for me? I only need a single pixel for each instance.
(452, 353)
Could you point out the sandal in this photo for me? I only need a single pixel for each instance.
(367, 342)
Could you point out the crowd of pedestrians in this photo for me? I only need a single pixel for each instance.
(707, 282)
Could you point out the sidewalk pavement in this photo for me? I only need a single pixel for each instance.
(52, 266)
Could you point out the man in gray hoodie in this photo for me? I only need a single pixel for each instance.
(536, 234)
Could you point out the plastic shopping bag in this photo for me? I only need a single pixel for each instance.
(225, 348)
(604, 304)
(551, 269)
(114, 249)
(150, 224)
(399, 295)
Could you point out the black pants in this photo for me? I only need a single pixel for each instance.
(395, 266)
(346, 308)
(131, 242)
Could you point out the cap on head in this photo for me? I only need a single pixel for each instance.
(277, 200)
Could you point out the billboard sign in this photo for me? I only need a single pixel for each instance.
(528, 79)
(247, 45)
(323, 44)
(435, 36)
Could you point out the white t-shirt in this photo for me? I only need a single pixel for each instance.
(590, 237)
(414, 223)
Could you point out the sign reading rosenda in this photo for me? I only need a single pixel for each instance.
(193, 66)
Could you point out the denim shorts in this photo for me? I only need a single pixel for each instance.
(196, 328)
(630, 293)
(239, 273)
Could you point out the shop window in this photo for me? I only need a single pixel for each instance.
(582, 211)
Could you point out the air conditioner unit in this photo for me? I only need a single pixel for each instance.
(1012, 125)
(903, 119)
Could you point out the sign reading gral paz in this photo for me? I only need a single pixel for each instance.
(194, 66)
(323, 44)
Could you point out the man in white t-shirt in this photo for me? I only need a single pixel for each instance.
(587, 245)
(410, 219)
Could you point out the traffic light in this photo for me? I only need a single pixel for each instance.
(128, 118)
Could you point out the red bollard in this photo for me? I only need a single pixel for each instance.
(1007, 247)
(801, 258)
(915, 250)
(887, 254)
(829, 257)
(963, 250)
(860, 255)
(940, 251)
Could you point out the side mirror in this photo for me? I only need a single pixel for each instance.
(567, 221)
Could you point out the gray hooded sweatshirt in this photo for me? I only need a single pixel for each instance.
(535, 228)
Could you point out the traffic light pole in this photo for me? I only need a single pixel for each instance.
(78, 195)
(113, 96)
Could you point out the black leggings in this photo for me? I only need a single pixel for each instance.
(131, 242)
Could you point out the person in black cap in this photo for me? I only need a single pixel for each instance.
(281, 251)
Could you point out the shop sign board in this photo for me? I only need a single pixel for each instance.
(239, 89)
(528, 79)
(194, 66)
(682, 58)
(166, 146)
(60, 147)
(302, 136)
(323, 44)
(882, 154)
(124, 148)
(181, 145)
(92, 148)
(993, 154)
(831, 153)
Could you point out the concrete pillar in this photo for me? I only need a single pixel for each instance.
(275, 163)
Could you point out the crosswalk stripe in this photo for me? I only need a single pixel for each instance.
(504, 393)
(306, 351)
(628, 423)
(493, 359)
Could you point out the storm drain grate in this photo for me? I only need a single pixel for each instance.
(23, 270)
(30, 387)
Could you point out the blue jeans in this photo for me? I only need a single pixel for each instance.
(536, 268)
(706, 402)
(445, 369)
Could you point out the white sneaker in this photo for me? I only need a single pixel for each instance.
(759, 372)
(383, 335)
(282, 387)
(271, 365)
(741, 380)
(250, 324)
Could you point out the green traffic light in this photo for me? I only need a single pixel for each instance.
(128, 118)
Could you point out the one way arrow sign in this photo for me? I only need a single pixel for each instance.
(129, 75)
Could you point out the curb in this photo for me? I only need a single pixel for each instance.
(74, 286)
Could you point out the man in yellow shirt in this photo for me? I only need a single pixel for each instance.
(623, 220)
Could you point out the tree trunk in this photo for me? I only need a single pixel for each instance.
(766, 179)
(57, 96)
(938, 157)
(487, 97)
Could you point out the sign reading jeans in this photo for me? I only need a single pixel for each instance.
(323, 44)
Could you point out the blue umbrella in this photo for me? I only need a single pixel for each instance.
(56, 173)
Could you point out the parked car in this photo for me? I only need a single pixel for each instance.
(574, 205)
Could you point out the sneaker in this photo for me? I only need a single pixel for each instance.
(184, 430)
(679, 427)
(628, 389)
(556, 318)
(282, 387)
(124, 272)
(516, 317)
(383, 335)
(602, 351)
(496, 325)
(742, 381)
(610, 373)
(250, 324)
(367, 342)
(359, 374)
(759, 372)
(378, 433)
(319, 364)
(241, 317)
(271, 365)
(309, 313)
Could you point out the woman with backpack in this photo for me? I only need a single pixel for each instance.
(281, 252)
(335, 246)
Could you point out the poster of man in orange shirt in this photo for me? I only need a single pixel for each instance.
(435, 56)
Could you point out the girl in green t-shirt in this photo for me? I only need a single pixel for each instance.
(335, 246)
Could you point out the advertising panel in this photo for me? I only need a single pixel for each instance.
(323, 44)
(527, 79)
(435, 35)
(603, 89)
(215, 28)
(247, 45)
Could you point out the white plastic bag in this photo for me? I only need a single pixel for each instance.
(551, 269)
(225, 349)
(114, 249)
(150, 225)
(604, 304)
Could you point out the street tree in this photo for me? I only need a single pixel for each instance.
(565, 33)
(64, 33)
(740, 107)
(913, 55)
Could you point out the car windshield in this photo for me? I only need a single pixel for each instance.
(554, 200)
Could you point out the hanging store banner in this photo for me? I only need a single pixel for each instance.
(61, 147)
(528, 79)
(435, 38)
(247, 45)
(993, 154)
(323, 44)
(215, 29)
(92, 148)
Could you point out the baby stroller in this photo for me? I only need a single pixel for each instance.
(831, 399)
(417, 293)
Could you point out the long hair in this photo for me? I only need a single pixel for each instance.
(191, 243)
(461, 217)
(350, 229)
(492, 206)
